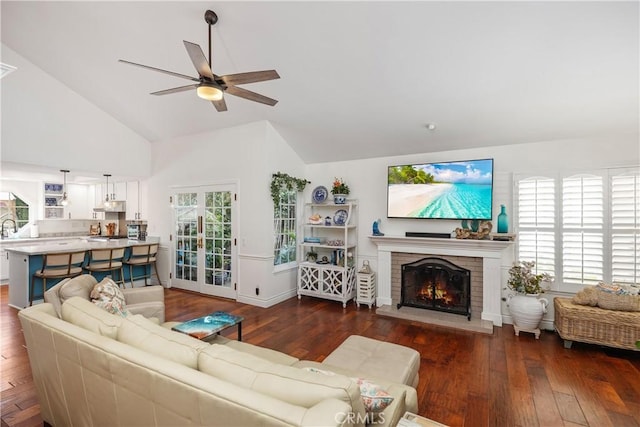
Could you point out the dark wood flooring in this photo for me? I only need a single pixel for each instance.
(466, 378)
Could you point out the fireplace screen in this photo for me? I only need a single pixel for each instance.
(436, 284)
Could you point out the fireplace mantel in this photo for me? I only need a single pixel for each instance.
(491, 252)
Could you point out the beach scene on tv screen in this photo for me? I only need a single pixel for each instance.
(452, 190)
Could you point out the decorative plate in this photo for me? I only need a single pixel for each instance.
(340, 217)
(320, 194)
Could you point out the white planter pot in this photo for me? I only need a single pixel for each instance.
(339, 199)
(527, 310)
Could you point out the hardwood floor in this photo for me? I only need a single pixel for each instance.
(466, 378)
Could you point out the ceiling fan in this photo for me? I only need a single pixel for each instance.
(210, 86)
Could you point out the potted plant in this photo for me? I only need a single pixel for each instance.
(312, 256)
(526, 308)
(524, 281)
(340, 190)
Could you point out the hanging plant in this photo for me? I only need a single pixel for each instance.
(284, 182)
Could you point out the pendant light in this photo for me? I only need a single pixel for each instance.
(107, 203)
(65, 199)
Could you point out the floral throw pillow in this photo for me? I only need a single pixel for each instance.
(375, 399)
(108, 296)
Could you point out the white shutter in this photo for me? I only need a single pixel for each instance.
(536, 203)
(582, 225)
(583, 202)
(536, 221)
(625, 228)
(582, 258)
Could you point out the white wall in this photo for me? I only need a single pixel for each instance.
(246, 155)
(367, 178)
(45, 123)
(368, 182)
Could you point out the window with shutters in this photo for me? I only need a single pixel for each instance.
(284, 217)
(625, 228)
(581, 228)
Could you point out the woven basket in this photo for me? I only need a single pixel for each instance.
(596, 325)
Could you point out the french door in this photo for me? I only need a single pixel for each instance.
(205, 251)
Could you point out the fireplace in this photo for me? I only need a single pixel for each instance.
(436, 284)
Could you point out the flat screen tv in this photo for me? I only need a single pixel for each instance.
(445, 190)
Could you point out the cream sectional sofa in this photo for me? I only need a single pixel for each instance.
(91, 367)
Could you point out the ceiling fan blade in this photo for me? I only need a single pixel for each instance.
(199, 60)
(250, 77)
(174, 90)
(220, 105)
(252, 96)
(171, 73)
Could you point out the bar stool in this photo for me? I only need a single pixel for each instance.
(57, 266)
(143, 255)
(106, 260)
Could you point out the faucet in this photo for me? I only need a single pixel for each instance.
(15, 227)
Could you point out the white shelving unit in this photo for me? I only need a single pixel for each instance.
(333, 275)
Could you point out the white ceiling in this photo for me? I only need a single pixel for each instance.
(358, 79)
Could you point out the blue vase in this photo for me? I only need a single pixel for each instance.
(503, 225)
(339, 199)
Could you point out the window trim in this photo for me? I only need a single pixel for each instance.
(294, 263)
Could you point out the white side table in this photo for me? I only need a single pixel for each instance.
(366, 285)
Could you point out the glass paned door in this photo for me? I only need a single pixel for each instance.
(186, 240)
(205, 251)
(218, 242)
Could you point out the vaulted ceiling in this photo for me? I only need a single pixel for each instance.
(358, 79)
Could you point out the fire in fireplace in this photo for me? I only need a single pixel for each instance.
(436, 284)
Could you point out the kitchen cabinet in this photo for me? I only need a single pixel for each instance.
(98, 200)
(4, 266)
(133, 201)
(115, 191)
(136, 193)
(119, 191)
(80, 206)
(20, 280)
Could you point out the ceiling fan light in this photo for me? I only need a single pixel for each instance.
(210, 93)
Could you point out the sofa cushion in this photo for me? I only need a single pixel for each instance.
(586, 296)
(142, 333)
(82, 312)
(287, 383)
(108, 296)
(619, 302)
(399, 391)
(262, 352)
(67, 288)
(373, 358)
(374, 397)
(613, 296)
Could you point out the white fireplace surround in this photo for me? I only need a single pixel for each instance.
(492, 253)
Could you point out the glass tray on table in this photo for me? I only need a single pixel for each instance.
(206, 326)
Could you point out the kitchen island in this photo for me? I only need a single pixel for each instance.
(27, 259)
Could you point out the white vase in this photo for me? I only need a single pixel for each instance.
(527, 310)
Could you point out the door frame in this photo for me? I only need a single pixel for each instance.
(200, 285)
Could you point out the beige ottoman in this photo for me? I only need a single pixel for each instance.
(379, 359)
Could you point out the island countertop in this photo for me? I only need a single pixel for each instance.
(78, 245)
